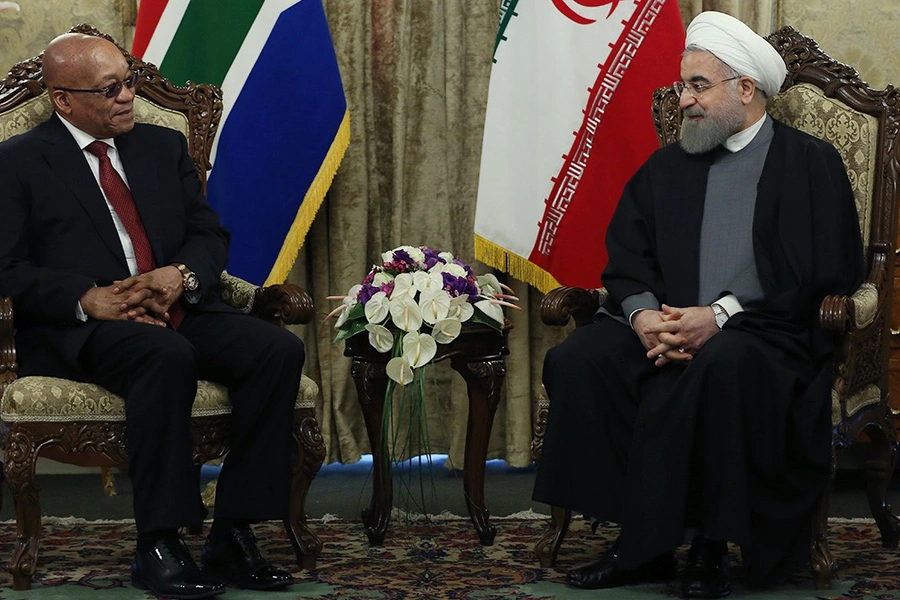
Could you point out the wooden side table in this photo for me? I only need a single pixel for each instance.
(478, 356)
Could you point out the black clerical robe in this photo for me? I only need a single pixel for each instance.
(737, 443)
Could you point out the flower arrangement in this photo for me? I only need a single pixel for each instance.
(416, 298)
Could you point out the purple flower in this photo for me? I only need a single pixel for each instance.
(469, 271)
(368, 290)
(457, 286)
(431, 257)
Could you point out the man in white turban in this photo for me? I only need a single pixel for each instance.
(700, 393)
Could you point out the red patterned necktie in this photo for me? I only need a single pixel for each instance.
(122, 201)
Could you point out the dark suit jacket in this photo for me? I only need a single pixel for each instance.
(57, 238)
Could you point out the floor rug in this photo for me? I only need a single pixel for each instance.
(423, 559)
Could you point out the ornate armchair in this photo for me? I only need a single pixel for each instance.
(828, 100)
(83, 424)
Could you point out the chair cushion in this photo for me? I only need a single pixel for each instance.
(49, 399)
(37, 110)
(854, 134)
(867, 396)
(25, 116)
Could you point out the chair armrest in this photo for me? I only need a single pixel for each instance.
(563, 303)
(858, 326)
(839, 315)
(286, 303)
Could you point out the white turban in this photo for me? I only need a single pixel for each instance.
(738, 46)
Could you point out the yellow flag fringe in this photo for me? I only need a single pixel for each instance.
(517, 266)
(311, 203)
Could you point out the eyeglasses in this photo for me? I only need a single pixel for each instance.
(110, 91)
(696, 89)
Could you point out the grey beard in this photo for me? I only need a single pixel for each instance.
(712, 131)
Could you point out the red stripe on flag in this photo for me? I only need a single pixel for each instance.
(148, 17)
(615, 138)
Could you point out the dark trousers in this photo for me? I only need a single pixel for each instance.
(156, 370)
(735, 443)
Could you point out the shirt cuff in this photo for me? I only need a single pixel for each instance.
(731, 304)
(80, 314)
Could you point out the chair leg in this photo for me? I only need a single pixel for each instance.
(108, 478)
(309, 456)
(878, 477)
(19, 470)
(823, 566)
(547, 547)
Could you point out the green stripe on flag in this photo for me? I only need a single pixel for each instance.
(207, 40)
(507, 12)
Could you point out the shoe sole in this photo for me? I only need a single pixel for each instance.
(141, 585)
(228, 579)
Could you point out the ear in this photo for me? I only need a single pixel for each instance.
(747, 89)
(60, 101)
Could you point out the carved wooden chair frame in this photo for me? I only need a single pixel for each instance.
(862, 339)
(97, 443)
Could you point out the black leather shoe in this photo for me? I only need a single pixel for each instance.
(706, 571)
(605, 573)
(234, 557)
(168, 570)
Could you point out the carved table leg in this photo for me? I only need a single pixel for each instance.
(310, 454)
(483, 381)
(19, 469)
(878, 478)
(371, 384)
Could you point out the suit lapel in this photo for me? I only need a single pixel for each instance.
(140, 169)
(67, 162)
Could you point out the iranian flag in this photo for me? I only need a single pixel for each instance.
(284, 127)
(568, 123)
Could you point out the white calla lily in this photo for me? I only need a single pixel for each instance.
(460, 308)
(489, 284)
(418, 349)
(435, 305)
(377, 308)
(382, 278)
(403, 286)
(405, 313)
(347, 303)
(446, 330)
(428, 280)
(380, 337)
(399, 370)
(387, 256)
(446, 256)
(491, 309)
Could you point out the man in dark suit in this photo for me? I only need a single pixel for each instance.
(700, 394)
(112, 258)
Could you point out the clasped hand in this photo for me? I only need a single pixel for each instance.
(674, 334)
(143, 298)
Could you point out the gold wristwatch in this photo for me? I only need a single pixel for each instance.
(189, 279)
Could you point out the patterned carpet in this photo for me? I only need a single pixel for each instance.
(421, 560)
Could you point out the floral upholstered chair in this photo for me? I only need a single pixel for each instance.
(828, 100)
(83, 424)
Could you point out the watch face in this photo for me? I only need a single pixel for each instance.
(191, 282)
